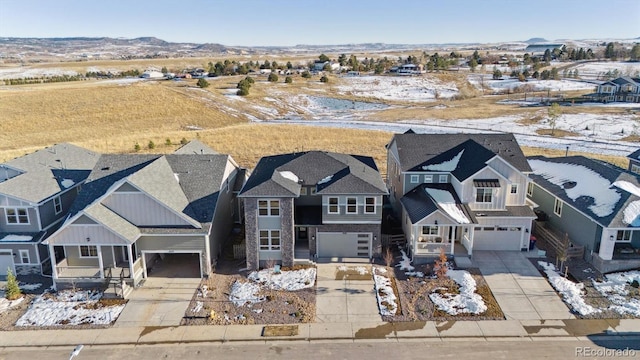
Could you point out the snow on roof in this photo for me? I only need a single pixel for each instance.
(289, 175)
(632, 214)
(67, 183)
(12, 237)
(446, 201)
(448, 165)
(577, 181)
(628, 187)
(325, 180)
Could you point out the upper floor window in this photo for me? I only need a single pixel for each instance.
(430, 230)
(352, 205)
(442, 178)
(17, 216)
(312, 191)
(484, 195)
(635, 168)
(333, 206)
(269, 207)
(428, 178)
(557, 207)
(623, 236)
(303, 191)
(57, 204)
(370, 205)
(269, 239)
(415, 179)
(530, 189)
(514, 188)
(88, 251)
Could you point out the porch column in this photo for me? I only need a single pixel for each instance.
(452, 239)
(52, 258)
(100, 264)
(471, 233)
(130, 256)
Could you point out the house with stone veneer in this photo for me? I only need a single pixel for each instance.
(310, 205)
(459, 189)
(36, 193)
(595, 203)
(136, 211)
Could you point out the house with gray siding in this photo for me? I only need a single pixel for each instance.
(595, 203)
(36, 193)
(137, 209)
(467, 189)
(313, 204)
(634, 162)
(622, 89)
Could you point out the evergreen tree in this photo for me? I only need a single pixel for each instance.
(497, 74)
(635, 52)
(202, 83)
(289, 65)
(609, 52)
(323, 58)
(288, 80)
(473, 64)
(12, 291)
(273, 77)
(306, 74)
(164, 70)
(547, 56)
(324, 79)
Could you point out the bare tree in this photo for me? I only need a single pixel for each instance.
(554, 113)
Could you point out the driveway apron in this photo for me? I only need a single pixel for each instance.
(521, 291)
(341, 301)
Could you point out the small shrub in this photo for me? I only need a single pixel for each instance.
(441, 267)
(183, 141)
(306, 74)
(168, 142)
(388, 257)
(12, 291)
(273, 77)
(288, 80)
(635, 284)
(324, 79)
(202, 83)
(243, 91)
(136, 147)
(151, 145)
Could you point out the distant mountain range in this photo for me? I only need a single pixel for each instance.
(85, 48)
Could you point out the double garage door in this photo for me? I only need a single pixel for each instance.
(344, 244)
(6, 262)
(497, 238)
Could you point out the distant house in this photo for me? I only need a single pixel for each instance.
(138, 210)
(150, 74)
(409, 69)
(595, 203)
(318, 65)
(459, 190)
(622, 89)
(36, 193)
(313, 204)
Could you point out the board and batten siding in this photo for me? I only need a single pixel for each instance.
(515, 177)
(343, 217)
(141, 210)
(468, 195)
(78, 234)
(73, 257)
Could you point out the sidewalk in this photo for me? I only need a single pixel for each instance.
(524, 330)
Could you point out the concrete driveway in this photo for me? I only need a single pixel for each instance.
(342, 301)
(160, 302)
(521, 291)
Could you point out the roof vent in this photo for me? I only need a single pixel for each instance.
(569, 185)
(105, 168)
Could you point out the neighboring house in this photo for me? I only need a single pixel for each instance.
(137, 208)
(459, 188)
(152, 74)
(312, 204)
(409, 69)
(597, 204)
(622, 89)
(634, 162)
(36, 192)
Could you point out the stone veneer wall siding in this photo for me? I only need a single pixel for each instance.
(251, 232)
(287, 233)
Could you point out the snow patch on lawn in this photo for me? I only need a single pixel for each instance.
(245, 292)
(572, 293)
(615, 288)
(417, 89)
(466, 302)
(30, 287)
(6, 304)
(387, 300)
(405, 264)
(285, 280)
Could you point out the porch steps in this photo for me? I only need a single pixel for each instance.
(117, 290)
(302, 257)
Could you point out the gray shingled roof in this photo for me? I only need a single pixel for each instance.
(43, 173)
(634, 155)
(419, 204)
(583, 203)
(195, 147)
(349, 174)
(417, 150)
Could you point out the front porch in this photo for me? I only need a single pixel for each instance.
(433, 239)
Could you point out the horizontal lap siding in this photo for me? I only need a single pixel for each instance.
(168, 243)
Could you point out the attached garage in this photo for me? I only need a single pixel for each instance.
(172, 264)
(6, 262)
(352, 244)
(497, 238)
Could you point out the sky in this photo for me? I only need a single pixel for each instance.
(326, 22)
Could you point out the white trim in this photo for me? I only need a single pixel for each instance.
(346, 207)
(557, 206)
(375, 205)
(89, 250)
(416, 177)
(472, 177)
(337, 205)
(370, 237)
(9, 253)
(144, 260)
(270, 238)
(430, 179)
(440, 176)
(512, 186)
(269, 208)
(17, 216)
(351, 222)
(55, 206)
(24, 251)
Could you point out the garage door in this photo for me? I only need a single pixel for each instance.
(6, 262)
(344, 244)
(172, 264)
(496, 238)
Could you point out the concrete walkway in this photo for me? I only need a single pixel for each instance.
(521, 291)
(343, 301)
(159, 302)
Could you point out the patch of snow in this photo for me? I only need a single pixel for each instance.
(387, 301)
(467, 301)
(418, 274)
(203, 291)
(448, 165)
(615, 287)
(198, 307)
(289, 175)
(69, 307)
(446, 201)
(405, 264)
(16, 238)
(66, 183)
(30, 287)
(587, 183)
(415, 89)
(6, 304)
(628, 187)
(632, 214)
(245, 292)
(285, 280)
(325, 180)
(572, 293)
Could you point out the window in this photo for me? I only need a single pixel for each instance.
(514, 188)
(484, 195)
(57, 204)
(24, 256)
(623, 236)
(430, 230)
(370, 205)
(333, 206)
(557, 207)
(352, 205)
(269, 207)
(415, 179)
(312, 191)
(270, 240)
(428, 178)
(530, 189)
(488, 228)
(88, 251)
(501, 228)
(635, 168)
(17, 216)
(303, 191)
(442, 178)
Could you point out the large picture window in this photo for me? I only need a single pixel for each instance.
(484, 195)
(269, 207)
(270, 240)
(17, 216)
